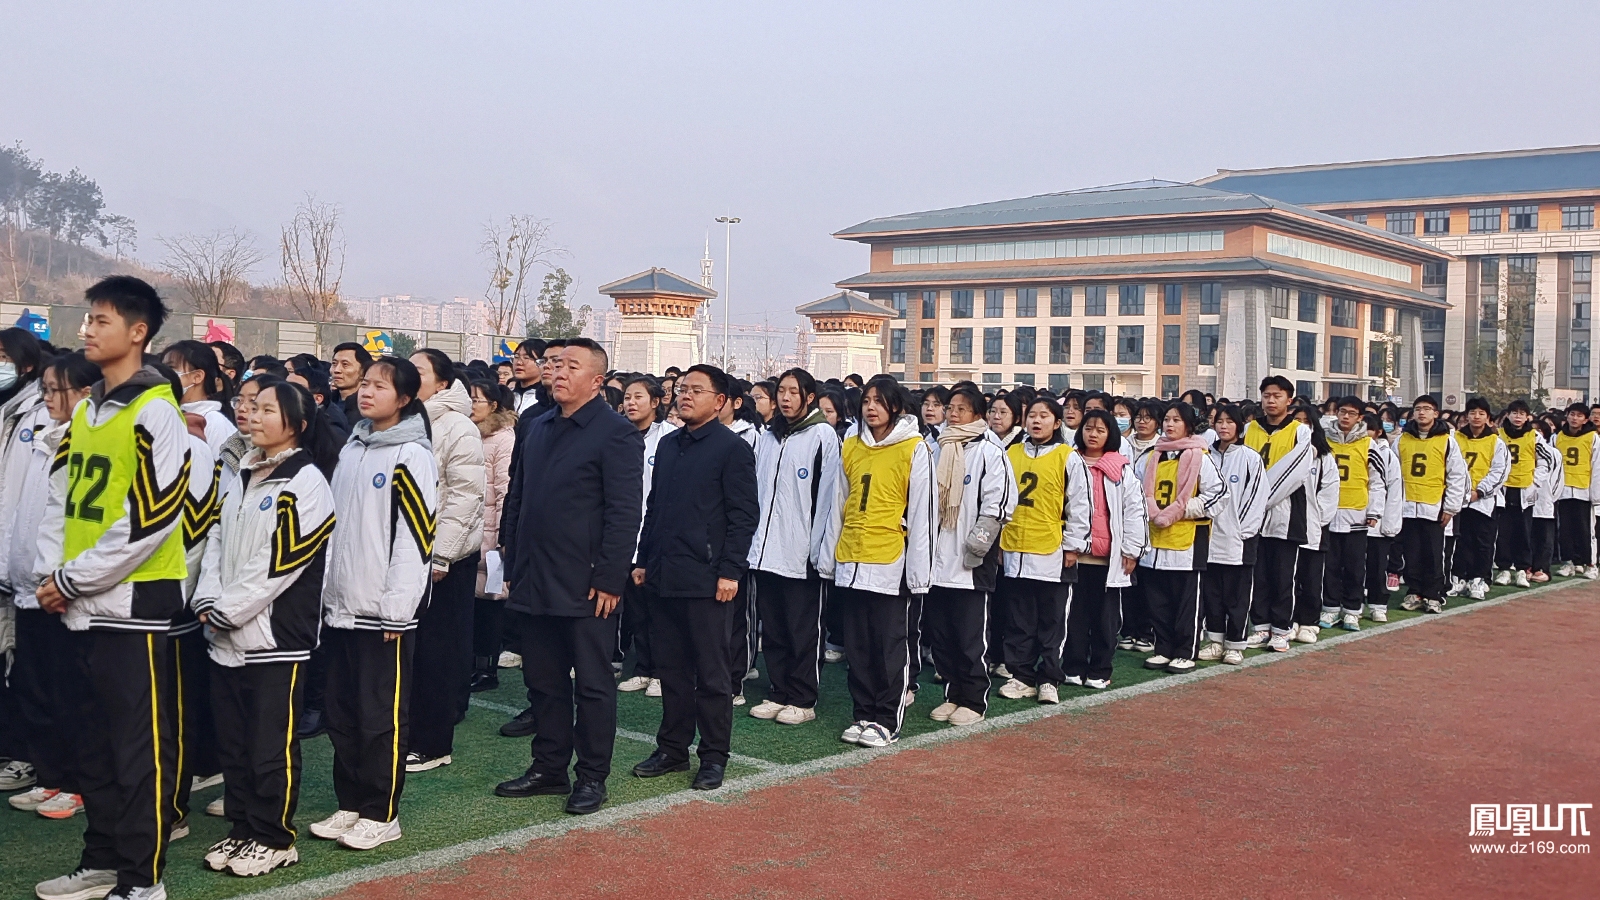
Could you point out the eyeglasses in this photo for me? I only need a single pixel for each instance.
(696, 391)
(236, 401)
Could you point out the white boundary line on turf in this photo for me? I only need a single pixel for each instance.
(778, 774)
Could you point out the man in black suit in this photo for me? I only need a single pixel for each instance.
(568, 531)
(694, 553)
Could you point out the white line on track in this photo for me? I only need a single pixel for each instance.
(774, 774)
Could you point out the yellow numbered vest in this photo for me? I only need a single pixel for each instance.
(1180, 534)
(103, 469)
(879, 481)
(1036, 526)
(1422, 467)
(1352, 460)
(1272, 447)
(1523, 458)
(1479, 454)
(1576, 457)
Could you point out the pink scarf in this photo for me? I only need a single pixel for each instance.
(1189, 450)
(1108, 466)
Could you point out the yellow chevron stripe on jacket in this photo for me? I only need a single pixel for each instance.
(408, 500)
(62, 451)
(151, 506)
(199, 515)
(292, 548)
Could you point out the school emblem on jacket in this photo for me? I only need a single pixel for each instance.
(25, 435)
(266, 504)
(802, 473)
(967, 480)
(1233, 478)
(378, 480)
(651, 462)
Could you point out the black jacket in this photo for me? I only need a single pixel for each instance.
(702, 512)
(539, 408)
(572, 510)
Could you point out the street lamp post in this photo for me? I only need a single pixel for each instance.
(727, 278)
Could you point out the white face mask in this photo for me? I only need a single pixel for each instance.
(8, 374)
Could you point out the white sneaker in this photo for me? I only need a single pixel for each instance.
(1156, 662)
(258, 859)
(965, 716)
(852, 734)
(941, 713)
(1457, 587)
(1379, 613)
(1016, 690)
(766, 709)
(1047, 693)
(1073, 679)
(1257, 638)
(1279, 643)
(1564, 570)
(180, 830)
(370, 833)
(217, 857)
(61, 806)
(157, 891)
(29, 800)
(739, 700)
(83, 884)
(335, 825)
(875, 735)
(1591, 572)
(1180, 666)
(1433, 606)
(1327, 619)
(509, 660)
(416, 762)
(1306, 634)
(1098, 684)
(16, 775)
(218, 807)
(654, 690)
(1233, 657)
(999, 670)
(1520, 579)
(795, 715)
(1210, 652)
(636, 683)
(831, 655)
(1477, 589)
(1502, 577)
(1411, 603)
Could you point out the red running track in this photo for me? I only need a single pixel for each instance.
(1344, 773)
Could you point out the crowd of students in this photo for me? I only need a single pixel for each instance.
(210, 590)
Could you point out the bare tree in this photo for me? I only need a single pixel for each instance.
(313, 259)
(515, 248)
(211, 267)
(123, 236)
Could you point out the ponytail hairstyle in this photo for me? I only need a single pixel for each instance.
(653, 388)
(201, 358)
(1319, 438)
(407, 383)
(300, 413)
(1193, 419)
(444, 370)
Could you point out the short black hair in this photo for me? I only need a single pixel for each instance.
(1277, 381)
(1480, 403)
(532, 348)
(1518, 405)
(360, 352)
(1577, 407)
(584, 343)
(719, 379)
(232, 358)
(1349, 400)
(133, 299)
(1430, 400)
(1113, 436)
(975, 397)
(271, 370)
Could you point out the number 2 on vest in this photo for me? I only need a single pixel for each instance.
(1027, 481)
(97, 468)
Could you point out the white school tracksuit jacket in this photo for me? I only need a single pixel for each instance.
(1239, 517)
(1547, 477)
(269, 533)
(1344, 520)
(915, 565)
(1394, 492)
(23, 421)
(380, 563)
(1283, 478)
(1489, 488)
(1209, 489)
(219, 425)
(1075, 528)
(1455, 479)
(797, 482)
(1125, 514)
(1322, 498)
(989, 488)
(1592, 491)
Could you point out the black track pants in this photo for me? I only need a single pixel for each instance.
(257, 709)
(791, 631)
(957, 629)
(443, 660)
(1344, 577)
(369, 718)
(1094, 617)
(1422, 541)
(1035, 628)
(1475, 536)
(1174, 598)
(1513, 532)
(1225, 590)
(1272, 600)
(873, 628)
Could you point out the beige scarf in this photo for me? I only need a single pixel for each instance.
(952, 468)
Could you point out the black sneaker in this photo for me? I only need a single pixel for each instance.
(521, 726)
(312, 724)
(484, 681)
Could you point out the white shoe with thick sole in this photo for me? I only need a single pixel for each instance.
(1279, 643)
(795, 715)
(852, 734)
(1477, 589)
(83, 884)
(1502, 577)
(832, 656)
(29, 800)
(17, 775)
(1098, 684)
(739, 700)
(157, 891)
(999, 670)
(1211, 652)
(636, 683)
(218, 807)
(1457, 588)
(941, 713)
(1591, 572)
(1156, 662)
(1411, 603)
(61, 806)
(216, 858)
(1520, 579)
(258, 859)
(335, 825)
(766, 709)
(654, 690)
(509, 660)
(1016, 690)
(1306, 634)
(370, 833)
(1379, 613)
(965, 716)
(1180, 666)
(1564, 570)
(1047, 693)
(1073, 679)
(1258, 639)
(180, 830)
(1233, 657)
(1327, 619)
(875, 735)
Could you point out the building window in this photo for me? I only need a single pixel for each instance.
(1359, 218)
(1060, 344)
(1171, 345)
(1489, 293)
(1432, 358)
(1305, 351)
(1094, 300)
(927, 346)
(1060, 302)
(1308, 306)
(897, 345)
(1306, 389)
(1024, 378)
(960, 304)
(961, 346)
(1483, 219)
(898, 300)
(992, 339)
(994, 304)
(1342, 355)
(1435, 274)
(1380, 318)
(1278, 356)
(1094, 382)
(1582, 280)
(1130, 345)
(1172, 299)
(1211, 299)
(1377, 359)
(1061, 248)
(1026, 342)
(1027, 302)
(1094, 344)
(1523, 218)
(1577, 218)
(1169, 385)
(925, 377)
(991, 378)
(1400, 222)
(1060, 382)
(1210, 337)
(930, 304)
(1580, 359)
(1344, 313)
(1130, 300)
(1436, 221)
(1280, 303)
(1432, 320)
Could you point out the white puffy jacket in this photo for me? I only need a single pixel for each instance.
(458, 451)
(795, 477)
(1125, 514)
(22, 548)
(21, 420)
(385, 491)
(989, 489)
(915, 565)
(1322, 498)
(1236, 523)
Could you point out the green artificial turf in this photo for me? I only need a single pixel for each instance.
(454, 804)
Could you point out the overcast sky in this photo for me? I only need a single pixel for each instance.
(632, 126)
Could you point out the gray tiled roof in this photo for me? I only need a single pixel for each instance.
(1470, 174)
(845, 302)
(656, 281)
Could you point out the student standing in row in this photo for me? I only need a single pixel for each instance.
(797, 465)
(1137, 634)
(1117, 538)
(1577, 493)
(641, 403)
(1230, 560)
(1434, 477)
(1322, 489)
(1488, 463)
(878, 550)
(1513, 554)
(1285, 447)
(1361, 505)
(385, 491)
(1381, 538)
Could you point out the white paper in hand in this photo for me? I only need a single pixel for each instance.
(494, 580)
